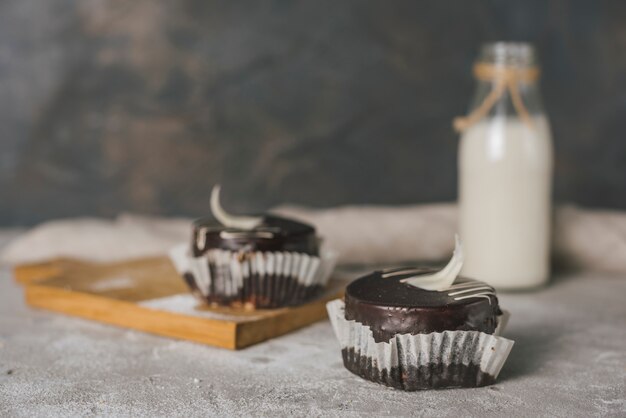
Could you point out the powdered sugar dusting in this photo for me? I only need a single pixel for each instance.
(186, 304)
(113, 283)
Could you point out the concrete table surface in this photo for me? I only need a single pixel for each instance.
(569, 360)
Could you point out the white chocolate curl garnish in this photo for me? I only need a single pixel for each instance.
(228, 220)
(444, 278)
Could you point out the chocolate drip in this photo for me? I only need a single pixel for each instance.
(390, 307)
(273, 234)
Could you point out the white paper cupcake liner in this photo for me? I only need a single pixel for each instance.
(422, 361)
(262, 279)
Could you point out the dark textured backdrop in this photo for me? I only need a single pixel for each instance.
(142, 105)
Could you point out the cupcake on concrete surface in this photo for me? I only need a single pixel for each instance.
(255, 262)
(415, 328)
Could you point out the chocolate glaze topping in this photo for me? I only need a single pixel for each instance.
(390, 307)
(273, 234)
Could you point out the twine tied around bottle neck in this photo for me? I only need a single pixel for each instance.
(504, 77)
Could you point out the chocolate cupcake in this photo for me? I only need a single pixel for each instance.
(256, 262)
(415, 328)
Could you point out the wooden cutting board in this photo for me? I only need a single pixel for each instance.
(148, 295)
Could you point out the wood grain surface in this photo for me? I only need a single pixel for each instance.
(117, 294)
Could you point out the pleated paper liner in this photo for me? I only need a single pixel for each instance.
(423, 361)
(254, 279)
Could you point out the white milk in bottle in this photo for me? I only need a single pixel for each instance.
(505, 172)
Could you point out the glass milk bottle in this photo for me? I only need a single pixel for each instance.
(505, 171)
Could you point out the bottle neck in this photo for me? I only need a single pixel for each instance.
(517, 87)
(507, 76)
(503, 90)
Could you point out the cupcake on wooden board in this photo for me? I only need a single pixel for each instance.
(415, 328)
(254, 262)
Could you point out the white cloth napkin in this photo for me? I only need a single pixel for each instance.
(586, 239)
